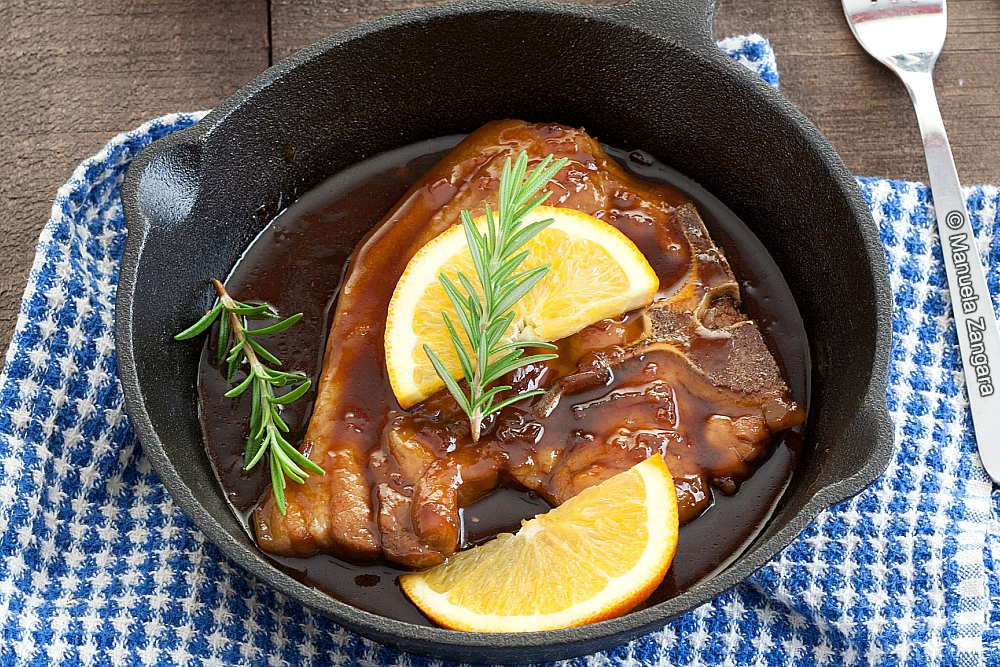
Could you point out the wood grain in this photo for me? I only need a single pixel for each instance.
(75, 73)
(295, 24)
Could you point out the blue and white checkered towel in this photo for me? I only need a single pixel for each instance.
(98, 566)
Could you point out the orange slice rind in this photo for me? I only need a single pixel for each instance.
(594, 557)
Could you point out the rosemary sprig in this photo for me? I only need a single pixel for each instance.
(236, 347)
(496, 256)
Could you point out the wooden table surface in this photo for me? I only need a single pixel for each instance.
(73, 73)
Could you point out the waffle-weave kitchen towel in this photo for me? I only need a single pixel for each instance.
(98, 566)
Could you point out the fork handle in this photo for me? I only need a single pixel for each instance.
(979, 339)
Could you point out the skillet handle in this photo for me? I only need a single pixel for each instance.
(688, 22)
(868, 439)
(167, 184)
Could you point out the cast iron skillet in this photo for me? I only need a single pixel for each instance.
(642, 75)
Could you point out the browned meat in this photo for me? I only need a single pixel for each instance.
(689, 377)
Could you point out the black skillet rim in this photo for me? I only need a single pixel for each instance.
(871, 422)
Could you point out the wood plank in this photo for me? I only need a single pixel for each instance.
(74, 73)
(295, 24)
(861, 106)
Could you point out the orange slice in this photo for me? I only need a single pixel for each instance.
(594, 557)
(596, 272)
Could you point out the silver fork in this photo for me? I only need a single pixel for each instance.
(906, 36)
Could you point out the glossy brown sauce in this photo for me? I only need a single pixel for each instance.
(296, 265)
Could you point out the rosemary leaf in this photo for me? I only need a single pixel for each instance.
(250, 311)
(514, 399)
(259, 349)
(519, 285)
(463, 356)
(293, 394)
(276, 418)
(449, 381)
(275, 328)
(240, 388)
(223, 338)
(278, 483)
(202, 324)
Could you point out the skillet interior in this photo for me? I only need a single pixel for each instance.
(638, 76)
